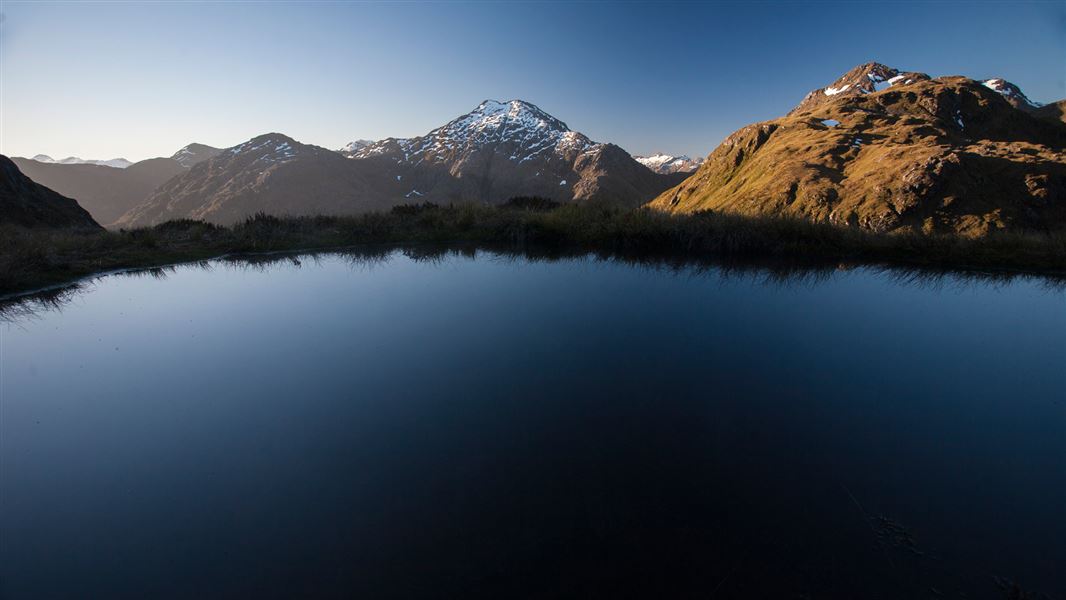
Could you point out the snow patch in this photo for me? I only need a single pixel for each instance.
(526, 132)
(832, 91)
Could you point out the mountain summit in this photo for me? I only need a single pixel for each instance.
(194, 153)
(885, 150)
(864, 79)
(518, 125)
(505, 149)
(1011, 93)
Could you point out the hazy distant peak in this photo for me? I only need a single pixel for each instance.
(669, 163)
(117, 163)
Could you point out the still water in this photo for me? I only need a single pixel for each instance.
(481, 426)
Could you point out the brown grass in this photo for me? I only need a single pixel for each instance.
(32, 259)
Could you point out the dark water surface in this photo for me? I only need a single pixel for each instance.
(486, 427)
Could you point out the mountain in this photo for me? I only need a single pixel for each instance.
(356, 146)
(497, 151)
(24, 202)
(505, 149)
(668, 163)
(1055, 111)
(195, 153)
(107, 193)
(117, 163)
(864, 79)
(1011, 93)
(271, 173)
(936, 155)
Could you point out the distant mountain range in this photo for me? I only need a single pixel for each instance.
(30, 204)
(106, 192)
(118, 163)
(668, 163)
(497, 151)
(887, 150)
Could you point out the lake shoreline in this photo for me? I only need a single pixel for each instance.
(40, 261)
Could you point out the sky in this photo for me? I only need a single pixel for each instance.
(140, 79)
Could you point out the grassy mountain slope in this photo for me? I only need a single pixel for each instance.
(939, 155)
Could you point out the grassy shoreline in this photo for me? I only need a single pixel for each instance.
(37, 259)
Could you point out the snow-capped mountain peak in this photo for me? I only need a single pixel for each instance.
(272, 148)
(669, 163)
(864, 79)
(355, 146)
(1010, 92)
(195, 153)
(518, 129)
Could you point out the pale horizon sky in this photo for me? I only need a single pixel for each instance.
(142, 79)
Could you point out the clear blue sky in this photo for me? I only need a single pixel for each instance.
(142, 79)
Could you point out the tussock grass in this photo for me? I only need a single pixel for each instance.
(32, 259)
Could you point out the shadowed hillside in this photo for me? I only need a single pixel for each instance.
(28, 204)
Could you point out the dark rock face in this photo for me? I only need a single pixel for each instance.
(935, 155)
(107, 193)
(29, 204)
(1055, 111)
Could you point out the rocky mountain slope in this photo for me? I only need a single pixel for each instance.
(27, 203)
(668, 163)
(863, 79)
(271, 173)
(886, 150)
(498, 151)
(505, 149)
(1011, 93)
(195, 153)
(107, 193)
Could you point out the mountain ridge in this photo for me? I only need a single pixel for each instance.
(934, 155)
(29, 204)
(497, 151)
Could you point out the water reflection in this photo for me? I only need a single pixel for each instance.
(763, 272)
(453, 422)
